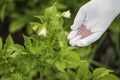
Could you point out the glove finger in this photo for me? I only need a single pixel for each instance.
(72, 35)
(79, 19)
(79, 44)
(89, 39)
(73, 41)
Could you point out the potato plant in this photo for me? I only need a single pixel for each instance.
(46, 54)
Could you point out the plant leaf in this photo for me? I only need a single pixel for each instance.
(60, 65)
(27, 41)
(9, 41)
(100, 72)
(110, 77)
(17, 25)
(1, 44)
(51, 11)
(2, 12)
(83, 71)
(71, 58)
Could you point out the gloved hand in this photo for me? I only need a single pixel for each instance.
(92, 20)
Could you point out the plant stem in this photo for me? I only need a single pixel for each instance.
(99, 64)
(41, 74)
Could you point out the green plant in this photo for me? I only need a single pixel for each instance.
(19, 12)
(46, 54)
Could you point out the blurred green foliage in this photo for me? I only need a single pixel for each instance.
(47, 54)
(49, 57)
(22, 11)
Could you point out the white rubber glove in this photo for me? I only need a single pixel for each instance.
(92, 20)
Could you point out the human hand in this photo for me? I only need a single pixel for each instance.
(92, 20)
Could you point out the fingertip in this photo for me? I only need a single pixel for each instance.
(73, 27)
(79, 43)
(72, 35)
(73, 41)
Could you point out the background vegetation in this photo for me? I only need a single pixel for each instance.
(25, 54)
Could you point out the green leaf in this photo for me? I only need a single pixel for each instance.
(88, 77)
(2, 12)
(35, 50)
(43, 19)
(16, 76)
(100, 72)
(110, 77)
(70, 74)
(27, 41)
(9, 41)
(5, 77)
(51, 11)
(83, 52)
(50, 61)
(29, 30)
(15, 49)
(83, 71)
(1, 44)
(60, 65)
(35, 26)
(115, 26)
(70, 57)
(17, 25)
(24, 63)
